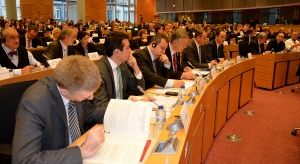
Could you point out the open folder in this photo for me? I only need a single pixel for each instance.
(126, 132)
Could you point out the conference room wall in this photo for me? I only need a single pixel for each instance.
(147, 8)
(36, 8)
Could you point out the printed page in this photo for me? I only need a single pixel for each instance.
(163, 100)
(128, 117)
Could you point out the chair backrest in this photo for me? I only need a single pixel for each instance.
(105, 32)
(10, 97)
(243, 48)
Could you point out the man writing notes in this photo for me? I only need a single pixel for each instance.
(13, 56)
(53, 112)
(194, 55)
(155, 65)
(178, 42)
(256, 46)
(117, 81)
(214, 49)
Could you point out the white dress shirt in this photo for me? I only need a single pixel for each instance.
(289, 43)
(64, 49)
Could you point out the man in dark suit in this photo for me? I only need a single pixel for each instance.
(53, 113)
(249, 36)
(178, 42)
(84, 47)
(13, 56)
(194, 55)
(155, 65)
(214, 49)
(30, 39)
(63, 46)
(256, 46)
(117, 80)
(276, 45)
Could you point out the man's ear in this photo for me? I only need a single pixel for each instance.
(116, 52)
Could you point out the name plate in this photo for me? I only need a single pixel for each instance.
(152, 33)
(95, 35)
(225, 64)
(53, 62)
(4, 73)
(201, 86)
(93, 56)
(213, 73)
(185, 116)
(238, 59)
(249, 56)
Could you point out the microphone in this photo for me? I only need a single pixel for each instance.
(142, 90)
(191, 64)
(46, 57)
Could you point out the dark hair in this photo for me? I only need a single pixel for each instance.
(34, 28)
(142, 31)
(198, 33)
(158, 37)
(113, 41)
(81, 34)
(157, 27)
(218, 31)
(249, 31)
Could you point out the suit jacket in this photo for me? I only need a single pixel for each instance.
(275, 46)
(91, 48)
(174, 74)
(23, 58)
(107, 89)
(144, 61)
(54, 50)
(35, 42)
(211, 51)
(41, 132)
(191, 54)
(253, 47)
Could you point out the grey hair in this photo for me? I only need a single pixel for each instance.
(5, 30)
(178, 34)
(262, 35)
(67, 31)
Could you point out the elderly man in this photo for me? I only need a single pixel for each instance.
(292, 44)
(13, 56)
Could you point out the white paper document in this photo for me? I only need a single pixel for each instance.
(166, 101)
(53, 63)
(127, 129)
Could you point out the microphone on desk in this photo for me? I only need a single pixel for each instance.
(191, 64)
(143, 91)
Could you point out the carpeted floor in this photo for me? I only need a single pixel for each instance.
(266, 136)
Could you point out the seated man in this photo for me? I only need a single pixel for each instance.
(29, 39)
(84, 47)
(292, 44)
(277, 44)
(178, 41)
(194, 55)
(13, 56)
(257, 46)
(155, 65)
(249, 36)
(214, 49)
(63, 46)
(117, 80)
(53, 112)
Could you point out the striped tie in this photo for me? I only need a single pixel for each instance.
(73, 122)
(120, 82)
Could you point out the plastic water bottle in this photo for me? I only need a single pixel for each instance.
(182, 92)
(197, 79)
(42, 66)
(11, 73)
(160, 117)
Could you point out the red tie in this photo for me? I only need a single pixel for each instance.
(12, 53)
(175, 61)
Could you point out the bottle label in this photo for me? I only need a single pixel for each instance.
(160, 119)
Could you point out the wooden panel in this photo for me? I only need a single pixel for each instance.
(238, 4)
(160, 6)
(217, 4)
(250, 3)
(246, 87)
(197, 5)
(95, 10)
(291, 76)
(289, 1)
(227, 4)
(234, 91)
(197, 142)
(209, 124)
(36, 8)
(275, 2)
(221, 110)
(169, 5)
(280, 74)
(147, 8)
(207, 4)
(261, 3)
(188, 5)
(178, 5)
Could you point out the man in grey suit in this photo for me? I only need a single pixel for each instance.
(117, 80)
(53, 112)
(194, 55)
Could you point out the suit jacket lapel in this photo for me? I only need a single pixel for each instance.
(112, 79)
(60, 49)
(149, 59)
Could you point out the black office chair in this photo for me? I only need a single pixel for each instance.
(294, 131)
(243, 48)
(10, 97)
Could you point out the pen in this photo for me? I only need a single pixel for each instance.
(191, 64)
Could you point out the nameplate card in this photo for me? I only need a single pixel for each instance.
(185, 116)
(225, 64)
(249, 56)
(201, 86)
(95, 35)
(53, 62)
(102, 40)
(152, 33)
(213, 73)
(93, 56)
(238, 59)
(4, 73)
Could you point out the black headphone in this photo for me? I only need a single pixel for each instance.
(3, 40)
(154, 43)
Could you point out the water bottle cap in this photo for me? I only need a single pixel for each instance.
(197, 74)
(160, 107)
(182, 87)
(10, 70)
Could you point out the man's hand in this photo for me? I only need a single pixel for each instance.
(188, 75)
(163, 58)
(94, 139)
(212, 63)
(187, 69)
(132, 98)
(27, 69)
(133, 64)
(178, 83)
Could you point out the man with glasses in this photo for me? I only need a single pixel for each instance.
(30, 40)
(214, 49)
(13, 56)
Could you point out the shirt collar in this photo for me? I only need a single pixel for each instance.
(7, 50)
(151, 55)
(63, 46)
(112, 63)
(217, 44)
(172, 51)
(26, 37)
(196, 43)
(65, 100)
